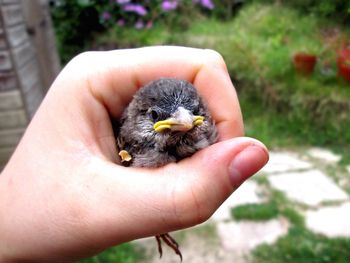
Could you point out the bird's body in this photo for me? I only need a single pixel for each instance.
(165, 122)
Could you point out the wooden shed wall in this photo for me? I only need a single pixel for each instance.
(28, 64)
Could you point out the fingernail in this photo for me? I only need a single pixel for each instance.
(246, 163)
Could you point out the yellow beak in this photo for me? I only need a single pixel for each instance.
(177, 125)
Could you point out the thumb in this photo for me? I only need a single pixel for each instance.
(208, 178)
(143, 202)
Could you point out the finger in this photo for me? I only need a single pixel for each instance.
(175, 196)
(215, 85)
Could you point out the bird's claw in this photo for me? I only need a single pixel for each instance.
(171, 242)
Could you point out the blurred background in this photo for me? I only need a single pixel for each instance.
(290, 63)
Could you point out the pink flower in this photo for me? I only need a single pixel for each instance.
(149, 24)
(139, 24)
(121, 22)
(135, 8)
(207, 4)
(121, 2)
(169, 5)
(106, 16)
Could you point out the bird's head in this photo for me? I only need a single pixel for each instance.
(167, 107)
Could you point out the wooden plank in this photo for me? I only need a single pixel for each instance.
(5, 154)
(38, 20)
(5, 60)
(10, 137)
(2, 37)
(2, 40)
(13, 119)
(22, 54)
(16, 35)
(11, 1)
(12, 14)
(10, 100)
(33, 99)
(28, 75)
(7, 81)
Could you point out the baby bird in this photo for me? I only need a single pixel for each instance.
(165, 122)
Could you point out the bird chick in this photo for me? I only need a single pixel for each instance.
(165, 122)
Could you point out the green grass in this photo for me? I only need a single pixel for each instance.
(286, 208)
(124, 253)
(302, 246)
(256, 212)
(277, 206)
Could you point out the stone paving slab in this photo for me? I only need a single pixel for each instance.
(330, 221)
(324, 155)
(246, 235)
(245, 194)
(309, 187)
(283, 162)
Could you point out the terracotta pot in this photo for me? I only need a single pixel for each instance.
(304, 63)
(343, 64)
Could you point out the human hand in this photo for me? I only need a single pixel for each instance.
(62, 197)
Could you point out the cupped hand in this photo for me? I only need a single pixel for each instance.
(62, 195)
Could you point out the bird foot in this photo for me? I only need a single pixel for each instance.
(125, 156)
(171, 242)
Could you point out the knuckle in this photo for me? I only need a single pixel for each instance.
(83, 59)
(215, 57)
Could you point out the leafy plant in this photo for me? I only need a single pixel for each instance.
(76, 22)
(338, 10)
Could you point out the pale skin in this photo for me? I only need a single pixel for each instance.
(62, 197)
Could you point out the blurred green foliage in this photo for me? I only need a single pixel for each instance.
(277, 205)
(281, 107)
(124, 253)
(338, 10)
(256, 212)
(75, 25)
(301, 245)
(77, 22)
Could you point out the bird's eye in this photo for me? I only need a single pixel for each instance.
(195, 111)
(154, 115)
